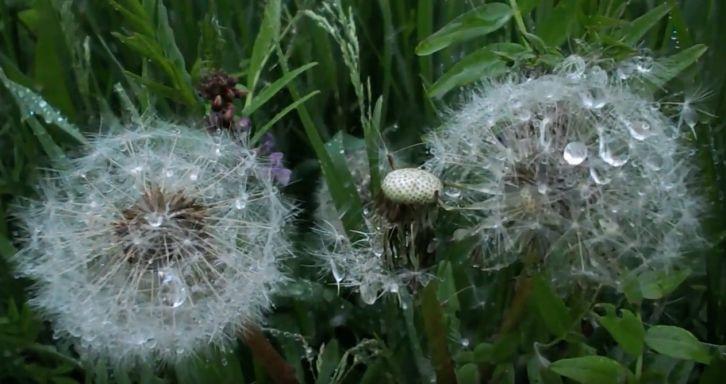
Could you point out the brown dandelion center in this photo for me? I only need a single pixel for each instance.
(161, 228)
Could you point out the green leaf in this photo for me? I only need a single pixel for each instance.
(640, 26)
(627, 329)
(271, 90)
(468, 374)
(590, 370)
(559, 25)
(327, 361)
(477, 22)
(512, 51)
(32, 104)
(669, 67)
(264, 43)
(280, 115)
(478, 65)
(656, 285)
(550, 307)
(676, 342)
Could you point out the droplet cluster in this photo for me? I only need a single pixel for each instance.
(576, 168)
(158, 242)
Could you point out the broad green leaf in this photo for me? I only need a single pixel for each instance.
(272, 89)
(676, 342)
(640, 26)
(656, 285)
(280, 115)
(560, 24)
(550, 307)
(264, 43)
(627, 329)
(477, 22)
(591, 370)
(481, 64)
(669, 67)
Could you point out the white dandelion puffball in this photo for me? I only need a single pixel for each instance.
(157, 243)
(575, 168)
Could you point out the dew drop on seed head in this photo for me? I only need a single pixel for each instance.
(155, 219)
(368, 293)
(575, 153)
(172, 291)
(639, 130)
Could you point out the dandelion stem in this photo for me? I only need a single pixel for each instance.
(519, 21)
(279, 370)
(513, 314)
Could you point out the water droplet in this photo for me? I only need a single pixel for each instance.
(172, 290)
(337, 275)
(369, 292)
(137, 169)
(575, 153)
(453, 193)
(241, 202)
(594, 98)
(42, 104)
(193, 176)
(599, 174)
(169, 173)
(155, 219)
(690, 116)
(542, 188)
(465, 342)
(639, 130)
(614, 151)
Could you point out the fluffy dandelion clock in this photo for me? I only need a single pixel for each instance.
(157, 243)
(575, 169)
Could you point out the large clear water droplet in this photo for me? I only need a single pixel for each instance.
(639, 130)
(575, 153)
(593, 99)
(613, 151)
(369, 292)
(172, 290)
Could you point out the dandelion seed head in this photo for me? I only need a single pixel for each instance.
(153, 245)
(411, 186)
(577, 167)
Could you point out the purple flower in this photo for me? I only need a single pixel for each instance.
(277, 170)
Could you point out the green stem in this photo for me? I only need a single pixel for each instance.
(519, 21)
(436, 333)
(279, 370)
